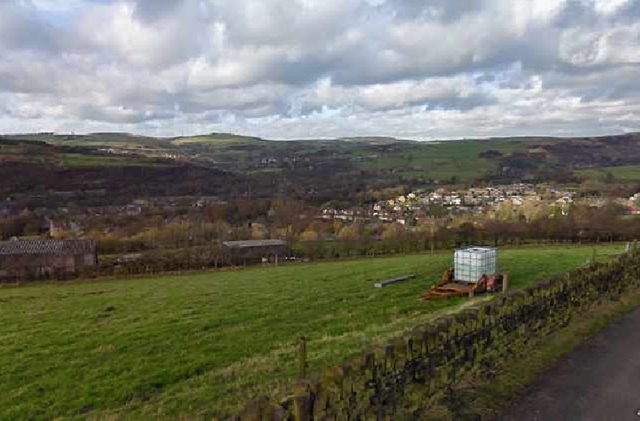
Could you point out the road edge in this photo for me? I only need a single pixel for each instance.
(488, 396)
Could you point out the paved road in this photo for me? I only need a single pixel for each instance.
(600, 380)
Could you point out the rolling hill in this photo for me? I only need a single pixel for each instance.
(331, 169)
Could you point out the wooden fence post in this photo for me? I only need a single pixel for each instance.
(505, 282)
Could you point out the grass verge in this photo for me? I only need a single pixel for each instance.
(487, 398)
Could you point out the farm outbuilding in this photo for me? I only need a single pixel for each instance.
(44, 258)
(255, 251)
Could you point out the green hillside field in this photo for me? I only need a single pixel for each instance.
(381, 159)
(443, 160)
(201, 344)
(621, 173)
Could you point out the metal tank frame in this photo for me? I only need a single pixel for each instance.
(470, 263)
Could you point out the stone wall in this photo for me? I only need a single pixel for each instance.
(404, 374)
(31, 267)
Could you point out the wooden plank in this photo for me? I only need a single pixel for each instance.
(388, 282)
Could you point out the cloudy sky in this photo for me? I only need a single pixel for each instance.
(422, 69)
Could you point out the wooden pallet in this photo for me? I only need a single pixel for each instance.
(448, 287)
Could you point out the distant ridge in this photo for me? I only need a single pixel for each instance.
(221, 138)
(227, 137)
(373, 140)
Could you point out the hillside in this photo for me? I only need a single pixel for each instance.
(325, 170)
(202, 344)
(49, 173)
(216, 138)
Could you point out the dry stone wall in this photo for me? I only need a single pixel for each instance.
(433, 357)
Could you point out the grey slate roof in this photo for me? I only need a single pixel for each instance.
(253, 243)
(49, 247)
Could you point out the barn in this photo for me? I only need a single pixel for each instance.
(255, 251)
(44, 258)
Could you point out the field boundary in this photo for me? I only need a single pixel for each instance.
(410, 373)
(491, 393)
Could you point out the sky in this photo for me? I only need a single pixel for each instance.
(294, 69)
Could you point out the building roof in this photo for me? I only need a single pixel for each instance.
(253, 243)
(49, 247)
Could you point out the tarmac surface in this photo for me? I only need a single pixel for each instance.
(599, 380)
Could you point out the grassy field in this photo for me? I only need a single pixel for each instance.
(444, 160)
(219, 139)
(58, 157)
(97, 139)
(622, 173)
(201, 344)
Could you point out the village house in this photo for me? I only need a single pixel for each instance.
(43, 258)
(473, 200)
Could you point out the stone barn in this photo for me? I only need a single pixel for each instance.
(42, 258)
(255, 251)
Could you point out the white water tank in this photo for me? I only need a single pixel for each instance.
(470, 263)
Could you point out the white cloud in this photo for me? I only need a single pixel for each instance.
(311, 68)
(608, 7)
(615, 45)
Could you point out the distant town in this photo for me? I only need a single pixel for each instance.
(418, 206)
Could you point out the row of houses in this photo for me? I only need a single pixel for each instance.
(420, 204)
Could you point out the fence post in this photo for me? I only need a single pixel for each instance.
(505, 282)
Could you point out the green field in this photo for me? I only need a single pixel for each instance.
(621, 173)
(52, 156)
(218, 139)
(201, 344)
(96, 139)
(387, 159)
(444, 160)
(412, 160)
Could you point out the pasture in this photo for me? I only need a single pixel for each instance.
(443, 160)
(621, 173)
(201, 344)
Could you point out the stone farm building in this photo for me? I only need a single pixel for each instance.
(255, 251)
(41, 258)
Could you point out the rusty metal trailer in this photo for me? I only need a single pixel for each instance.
(448, 286)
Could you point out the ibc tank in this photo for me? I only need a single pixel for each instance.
(471, 263)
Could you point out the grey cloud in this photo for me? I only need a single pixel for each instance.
(576, 12)
(462, 103)
(304, 67)
(608, 84)
(152, 10)
(445, 10)
(23, 29)
(631, 12)
(120, 114)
